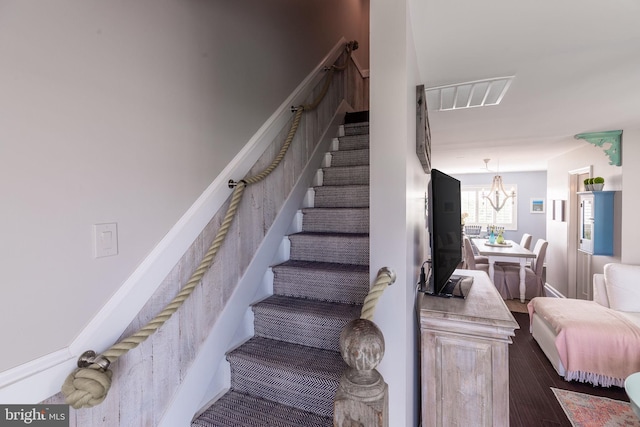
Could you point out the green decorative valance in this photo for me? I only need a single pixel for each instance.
(612, 137)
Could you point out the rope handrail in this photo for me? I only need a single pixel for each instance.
(89, 384)
(386, 277)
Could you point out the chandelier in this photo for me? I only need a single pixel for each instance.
(497, 195)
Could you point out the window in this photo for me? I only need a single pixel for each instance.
(480, 210)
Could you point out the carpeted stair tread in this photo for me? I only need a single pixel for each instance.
(292, 374)
(338, 282)
(303, 321)
(242, 410)
(278, 354)
(353, 142)
(350, 157)
(324, 266)
(336, 220)
(341, 196)
(350, 248)
(345, 175)
(307, 305)
(356, 128)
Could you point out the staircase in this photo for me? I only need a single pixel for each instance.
(288, 373)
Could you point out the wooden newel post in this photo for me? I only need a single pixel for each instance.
(362, 399)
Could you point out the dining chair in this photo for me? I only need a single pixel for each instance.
(472, 230)
(479, 259)
(469, 257)
(534, 283)
(525, 241)
(470, 264)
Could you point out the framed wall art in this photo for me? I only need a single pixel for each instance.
(536, 205)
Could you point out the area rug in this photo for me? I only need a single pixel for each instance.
(584, 410)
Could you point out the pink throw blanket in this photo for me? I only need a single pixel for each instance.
(596, 344)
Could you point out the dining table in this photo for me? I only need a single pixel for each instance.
(508, 251)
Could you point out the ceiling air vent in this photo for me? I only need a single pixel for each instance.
(479, 93)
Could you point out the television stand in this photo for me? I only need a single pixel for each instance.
(464, 356)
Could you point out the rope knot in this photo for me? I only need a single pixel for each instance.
(87, 387)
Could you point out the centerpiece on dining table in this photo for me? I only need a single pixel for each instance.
(496, 237)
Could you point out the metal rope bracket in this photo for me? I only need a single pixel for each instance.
(90, 357)
(234, 184)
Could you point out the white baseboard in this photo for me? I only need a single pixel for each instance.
(550, 291)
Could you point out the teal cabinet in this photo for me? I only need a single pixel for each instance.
(596, 222)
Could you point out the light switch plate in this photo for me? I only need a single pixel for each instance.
(105, 240)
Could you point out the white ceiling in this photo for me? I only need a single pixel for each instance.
(576, 65)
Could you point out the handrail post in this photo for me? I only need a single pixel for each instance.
(362, 399)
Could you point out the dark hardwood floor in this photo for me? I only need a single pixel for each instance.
(531, 376)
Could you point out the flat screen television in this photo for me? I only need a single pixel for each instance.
(445, 234)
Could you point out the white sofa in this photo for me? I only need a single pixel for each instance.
(618, 289)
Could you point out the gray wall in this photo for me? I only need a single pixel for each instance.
(530, 184)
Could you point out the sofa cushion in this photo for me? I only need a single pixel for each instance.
(633, 317)
(622, 282)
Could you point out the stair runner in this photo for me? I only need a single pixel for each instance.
(288, 373)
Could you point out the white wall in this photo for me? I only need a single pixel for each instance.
(584, 155)
(630, 193)
(125, 112)
(398, 184)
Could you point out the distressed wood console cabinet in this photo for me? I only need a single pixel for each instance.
(465, 356)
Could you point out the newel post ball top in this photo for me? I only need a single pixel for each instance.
(362, 348)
